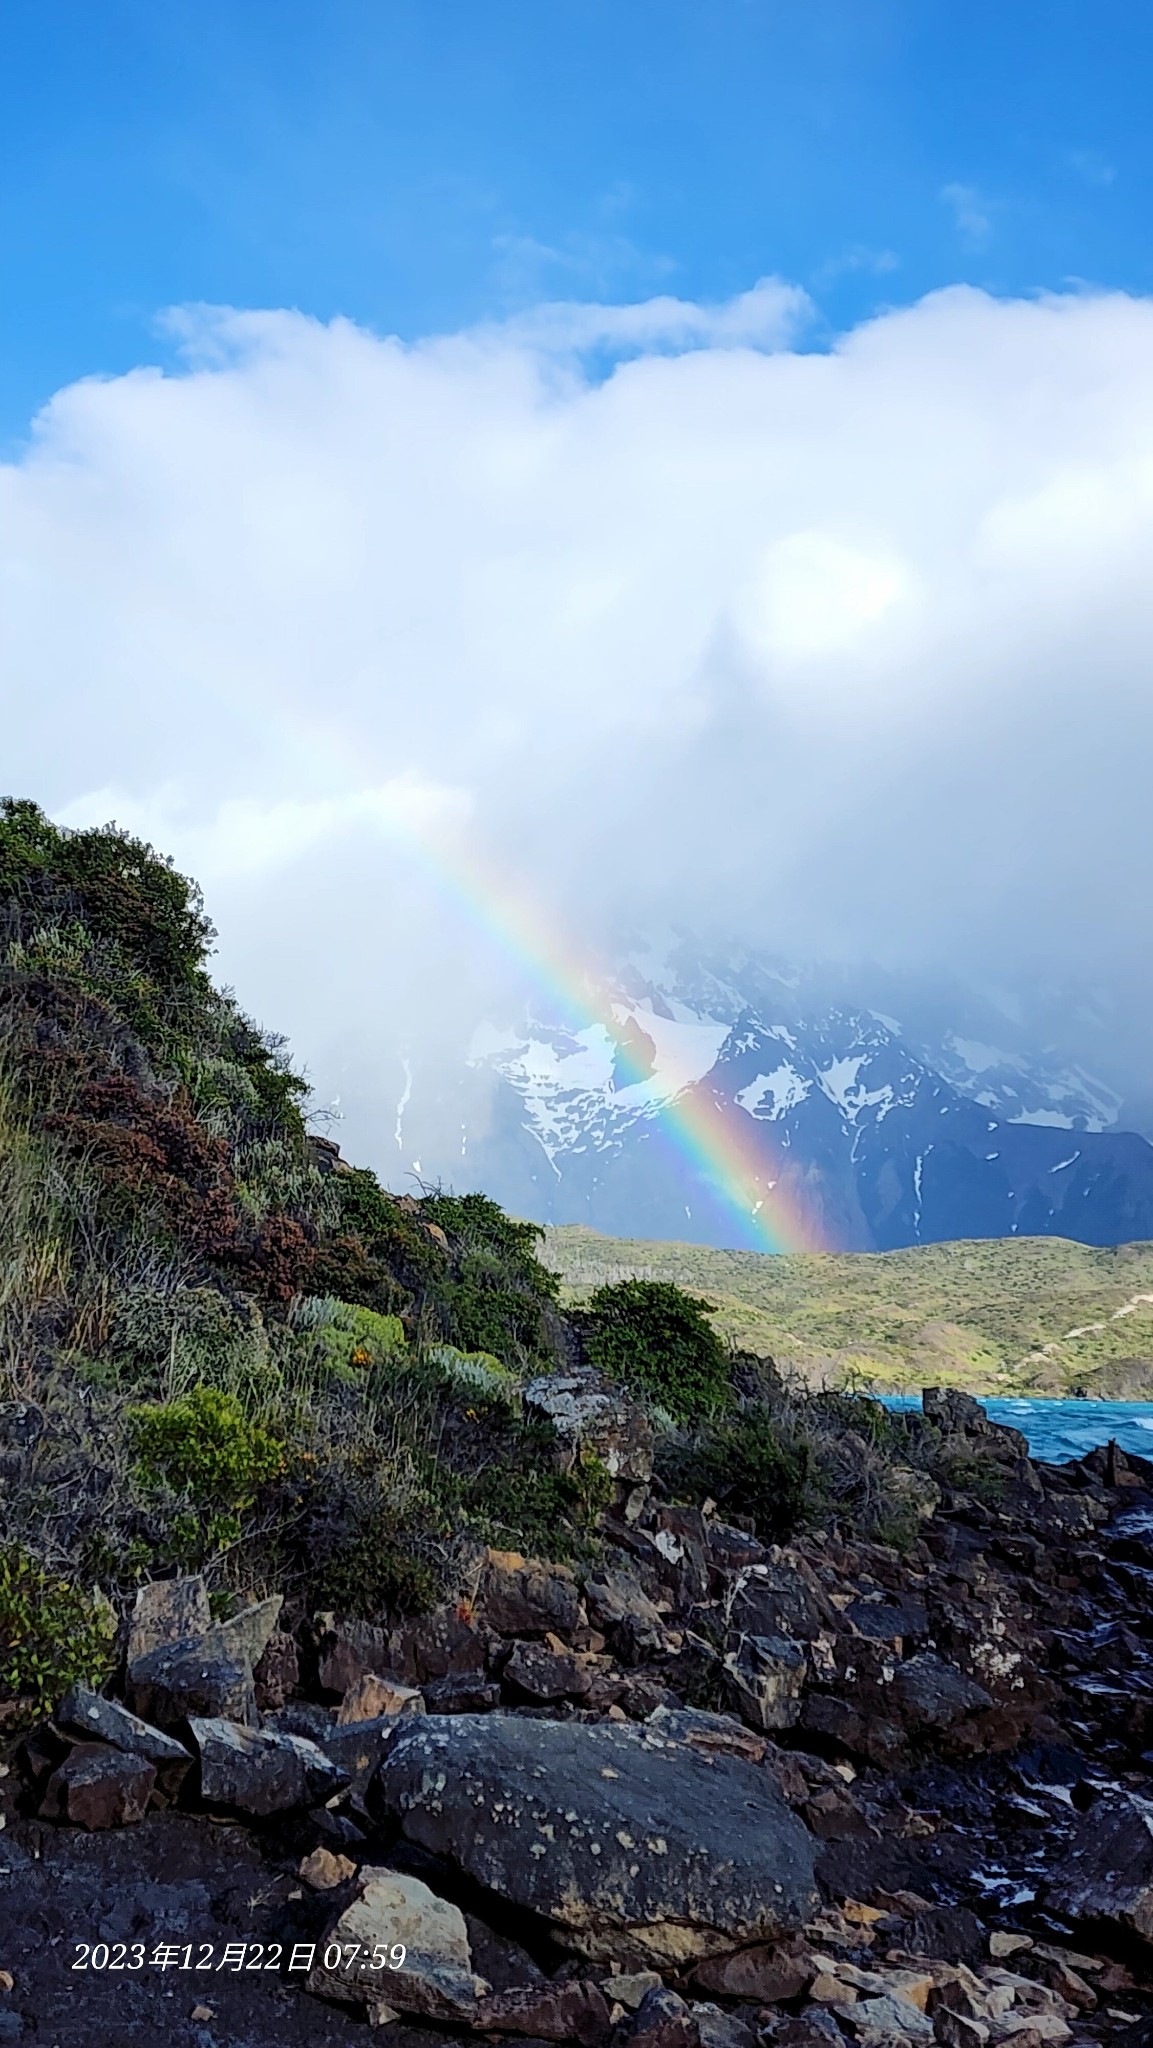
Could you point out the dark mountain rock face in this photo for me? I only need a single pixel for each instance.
(854, 1123)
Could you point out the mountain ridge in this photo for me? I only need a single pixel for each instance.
(868, 1134)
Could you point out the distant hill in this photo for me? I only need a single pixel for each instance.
(1009, 1315)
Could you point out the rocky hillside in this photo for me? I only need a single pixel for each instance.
(383, 1641)
(703, 1792)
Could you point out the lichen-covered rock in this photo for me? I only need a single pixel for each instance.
(443, 1644)
(932, 1694)
(588, 1416)
(637, 1847)
(776, 1599)
(244, 1637)
(543, 1674)
(168, 1611)
(178, 1680)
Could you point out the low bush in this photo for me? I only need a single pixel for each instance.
(52, 1634)
(747, 1466)
(203, 1448)
(659, 1342)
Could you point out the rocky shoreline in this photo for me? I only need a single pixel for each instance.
(707, 1794)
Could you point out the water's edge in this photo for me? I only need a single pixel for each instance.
(1060, 1430)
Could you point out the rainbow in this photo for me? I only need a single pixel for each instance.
(720, 1146)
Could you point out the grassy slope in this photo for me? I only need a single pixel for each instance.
(992, 1315)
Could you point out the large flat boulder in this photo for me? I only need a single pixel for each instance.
(635, 1845)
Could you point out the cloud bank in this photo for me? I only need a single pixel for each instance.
(839, 646)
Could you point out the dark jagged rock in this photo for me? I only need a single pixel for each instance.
(260, 1771)
(930, 1693)
(521, 1597)
(443, 1644)
(1106, 1874)
(91, 1718)
(539, 1673)
(461, 1692)
(778, 1600)
(664, 2021)
(98, 1787)
(357, 1747)
(636, 1846)
(549, 2012)
(766, 1677)
(172, 1683)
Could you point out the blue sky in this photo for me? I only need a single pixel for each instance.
(417, 164)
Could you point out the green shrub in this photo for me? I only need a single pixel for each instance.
(498, 1297)
(540, 1511)
(659, 1342)
(127, 894)
(748, 1467)
(204, 1448)
(51, 1633)
(348, 1338)
(361, 1557)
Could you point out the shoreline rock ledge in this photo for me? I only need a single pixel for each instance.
(634, 1845)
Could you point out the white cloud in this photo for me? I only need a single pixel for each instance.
(970, 213)
(847, 650)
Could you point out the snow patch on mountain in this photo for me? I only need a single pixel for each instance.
(770, 1095)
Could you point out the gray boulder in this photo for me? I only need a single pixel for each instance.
(91, 1718)
(1106, 1875)
(589, 1416)
(259, 1771)
(246, 1636)
(168, 1611)
(177, 1680)
(929, 1693)
(637, 1847)
(775, 1600)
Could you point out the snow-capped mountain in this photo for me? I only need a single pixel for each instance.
(867, 1130)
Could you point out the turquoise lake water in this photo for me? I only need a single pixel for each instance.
(1060, 1430)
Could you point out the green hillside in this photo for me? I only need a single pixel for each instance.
(1011, 1315)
